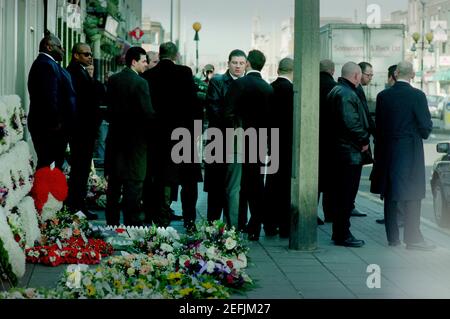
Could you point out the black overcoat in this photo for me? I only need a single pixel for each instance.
(402, 122)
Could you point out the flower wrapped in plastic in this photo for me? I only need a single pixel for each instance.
(49, 184)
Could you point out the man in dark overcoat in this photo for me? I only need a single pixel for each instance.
(174, 97)
(327, 83)
(278, 184)
(403, 121)
(52, 103)
(129, 114)
(88, 120)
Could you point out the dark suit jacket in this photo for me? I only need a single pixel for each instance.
(215, 98)
(327, 83)
(88, 107)
(215, 173)
(403, 120)
(174, 98)
(129, 114)
(52, 98)
(281, 117)
(248, 103)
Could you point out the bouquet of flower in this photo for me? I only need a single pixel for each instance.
(72, 251)
(96, 194)
(179, 285)
(64, 226)
(216, 251)
(159, 241)
(107, 281)
(227, 241)
(49, 192)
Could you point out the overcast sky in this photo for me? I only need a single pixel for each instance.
(227, 24)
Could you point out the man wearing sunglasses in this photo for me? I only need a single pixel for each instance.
(88, 118)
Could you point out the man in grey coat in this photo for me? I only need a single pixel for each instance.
(129, 115)
(403, 120)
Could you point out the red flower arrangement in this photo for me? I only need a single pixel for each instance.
(74, 251)
(47, 180)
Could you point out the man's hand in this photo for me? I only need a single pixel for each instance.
(365, 148)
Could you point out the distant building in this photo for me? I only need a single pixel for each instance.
(267, 44)
(154, 35)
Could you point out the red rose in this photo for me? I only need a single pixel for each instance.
(230, 264)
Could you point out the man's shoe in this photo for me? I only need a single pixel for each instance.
(319, 221)
(271, 232)
(357, 213)
(253, 237)
(350, 242)
(90, 215)
(380, 221)
(394, 243)
(421, 246)
(175, 217)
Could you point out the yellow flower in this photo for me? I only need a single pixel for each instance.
(186, 291)
(90, 290)
(117, 284)
(207, 285)
(174, 275)
(140, 286)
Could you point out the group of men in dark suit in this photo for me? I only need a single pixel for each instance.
(64, 109)
(402, 121)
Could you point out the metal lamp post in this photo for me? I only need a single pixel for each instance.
(428, 36)
(197, 27)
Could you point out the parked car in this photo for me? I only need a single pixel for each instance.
(440, 185)
(436, 105)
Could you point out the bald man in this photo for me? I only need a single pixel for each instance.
(403, 121)
(350, 148)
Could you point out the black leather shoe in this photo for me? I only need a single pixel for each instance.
(357, 213)
(380, 221)
(394, 243)
(421, 246)
(175, 217)
(350, 242)
(253, 237)
(90, 215)
(271, 232)
(319, 221)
